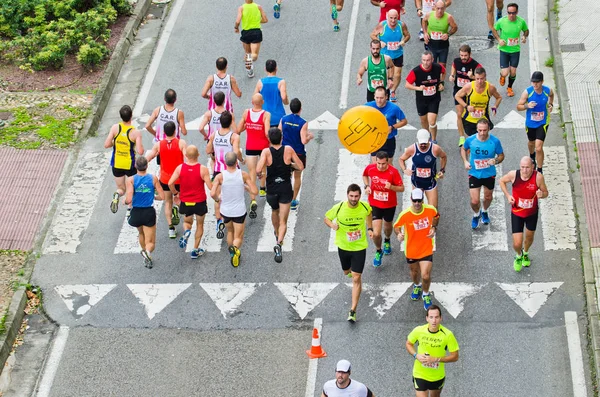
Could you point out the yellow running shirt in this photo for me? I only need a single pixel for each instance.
(250, 16)
(480, 102)
(435, 344)
(123, 156)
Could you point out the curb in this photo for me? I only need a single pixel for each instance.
(16, 312)
(592, 315)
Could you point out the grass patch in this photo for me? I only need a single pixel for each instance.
(549, 62)
(3, 323)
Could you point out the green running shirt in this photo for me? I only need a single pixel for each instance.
(511, 33)
(352, 232)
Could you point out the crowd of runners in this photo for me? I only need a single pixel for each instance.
(271, 163)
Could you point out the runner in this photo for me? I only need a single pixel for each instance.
(423, 172)
(224, 141)
(296, 134)
(439, 26)
(343, 386)
(490, 15)
(385, 6)
(382, 183)
(336, 7)
(212, 118)
(220, 82)
(163, 114)
(274, 92)
(417, 225)
(485, 152)
(192, 177)
(424, 7)
(279, 162)
(123, 138)
(393, 35)
(277, 9)
(142, 190)
(538, 101)
(461, 74)
(379, 70)
(437, 346)
(395, 118)
(510, 28)
(250, 15)
(528, 186)
(475, 98)
(228, 188)
(256, 123)
(172, 150)
(427, 80)
(354, 219)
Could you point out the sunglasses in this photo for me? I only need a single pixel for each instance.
(417, 201)
(512, 13)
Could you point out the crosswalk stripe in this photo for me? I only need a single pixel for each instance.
(81, 298)
(155, 297)
(493, 237)
(228, 297)
(448, 122)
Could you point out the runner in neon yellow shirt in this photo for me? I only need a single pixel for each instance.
(437, 346)
(353, 223)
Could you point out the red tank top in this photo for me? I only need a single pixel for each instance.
(257, 139)
(170, 158)
(191, 185)
(524, 192)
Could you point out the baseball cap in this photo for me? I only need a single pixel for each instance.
(343, 366)
(537, 76)
(423, 136)
(416, 194)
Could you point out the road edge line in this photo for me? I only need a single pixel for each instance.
(575, 354)
(51, 366)
(348, 56)
(313, 363)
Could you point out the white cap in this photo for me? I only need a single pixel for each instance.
(416, 194)
(423, 136)
(343, 366)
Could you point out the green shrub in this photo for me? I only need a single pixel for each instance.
(91, 54)
(50, 56)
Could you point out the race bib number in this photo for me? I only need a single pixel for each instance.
(393, 45)
(525, 203)
(436, 35)
(421, 224)
(376, 83)
(429, 91)
(423, 172)
(512, 42)
(477, 113)
(481, 164)
(380, 196)
(353, 236)
(428, 4)
(431, 365)
(462, 82)
(538, 116)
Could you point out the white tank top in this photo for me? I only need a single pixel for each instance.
(222, 145)
(214, 124)
(223, 85)
(165, 116)
(232, 194)
(428, 6)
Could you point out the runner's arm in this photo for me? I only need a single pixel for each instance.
(242, 125)
(541, 182)
(128, 190)
(508, 178)
(410, 82)
(263, 16)
(267, 120)
(464, 157)
(108, 143)
(495, 94)
(203, 123)
(367, 184)
(209, 146)
(206, 177)
(499, 158)
(238, 20)
(173, 179)
(443, 159)
(258, 87)
(362, 68)
(151, 120)
(262, 162)
(283, 92)
(525, 35)
(138, 142)
(452, 76)
(424, 26)
(298, 164)
(400, 123)
(377, 31)
(462, 93)
(181, 121)
(453, 25)
(405, 34)
(235, 143)
(152, 153)
(305, 135)
(159, 193)
(233, 126)
(206, 88)
(215, 191)
(250, 187)
(235, 88)
(450, 358)
(419, 7)
(183, 147)
(522, 104)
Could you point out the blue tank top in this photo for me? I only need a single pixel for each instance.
(393, 38)
(272, 97)
(143, 191)
(538, 116)
(291, 126)
(424, 166)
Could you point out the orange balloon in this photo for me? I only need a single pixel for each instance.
(363, 129)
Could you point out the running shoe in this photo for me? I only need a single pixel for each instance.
(172, 232)
(235, 256)
(475, 221)
(352, 316)
(336, 27)
(393, 97)
(434, 141)
(526, 261)
(250, 72)
(502, 80)
(498, 14)
(294, 205)
(490, 36)
(416, 292)
(485, 218)
(220, 229)
(461, 141)
(510, 92)
(426, 301)
(175, 215)
(147, 259)
(253, 208)
(197, 253)
(518, 263)
(387, 248)
(262, 192)
(278, 255)
(128, 213)
(377, 259)
(184, 239)
(349, 275)
(334, 12)
(114, 204)
(421, 35)
(277, 10)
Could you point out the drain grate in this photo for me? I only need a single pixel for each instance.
(572, 47)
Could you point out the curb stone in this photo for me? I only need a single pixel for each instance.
(16, 308)
(592, 313)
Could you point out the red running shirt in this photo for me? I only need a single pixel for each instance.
(257, 140)
(171, 157)
(191, 184)
(524, 193)
(381, 197)
(390, 5)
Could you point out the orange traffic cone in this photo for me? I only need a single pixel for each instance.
(316, 351)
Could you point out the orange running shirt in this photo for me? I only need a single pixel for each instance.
(416, 228)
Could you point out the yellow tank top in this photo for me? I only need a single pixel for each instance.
(123, 156)
(250, 16)
(480, 102)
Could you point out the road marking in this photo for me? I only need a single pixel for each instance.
(313, 363)
(348, 57)
(448, 122)
(325, 121)
(575, 355)
(228, 297)
(51, 366)
(350, 169)
(452, 295)
(155, 297)
(385, 295)
(74, 214)
(512, 120)
(79, 299)
(492, 237)
(530, 296)
(304, 297)
(407, 127)
(558, 218)
(531, 23)
(156, 59)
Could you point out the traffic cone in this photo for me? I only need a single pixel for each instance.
(316, 351)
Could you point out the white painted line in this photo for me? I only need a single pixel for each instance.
(313, 363)
(73, 216)
(530, 296)
(448, 122)
(575, 355)
(512, 120)
(156, 59)
(384, 295)
(325, 121)
(81, 298)
(493, 237)
(305, 296)
(348, 57)
(532, 25)
(556, 210)
(228, 297)
(452, 295)
(51, 366)
(407, 127)
(155, 297)
(350, 169)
